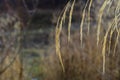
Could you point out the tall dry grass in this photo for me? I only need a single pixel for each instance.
(92, 53)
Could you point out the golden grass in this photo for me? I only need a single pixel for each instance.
(82, 22)
(57, 36)
(89, 9)
(104, 48)
(104, 40)
(82, 63)
(70, 19)
(100, 19)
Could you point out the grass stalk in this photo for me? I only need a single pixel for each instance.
(100, 20)
(70, 19)
(82, 23)
(57, 35)
(89, 18)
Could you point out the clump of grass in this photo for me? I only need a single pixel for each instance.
(81, 63)
(97, 59)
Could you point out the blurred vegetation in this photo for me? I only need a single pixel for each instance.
(85, 44)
